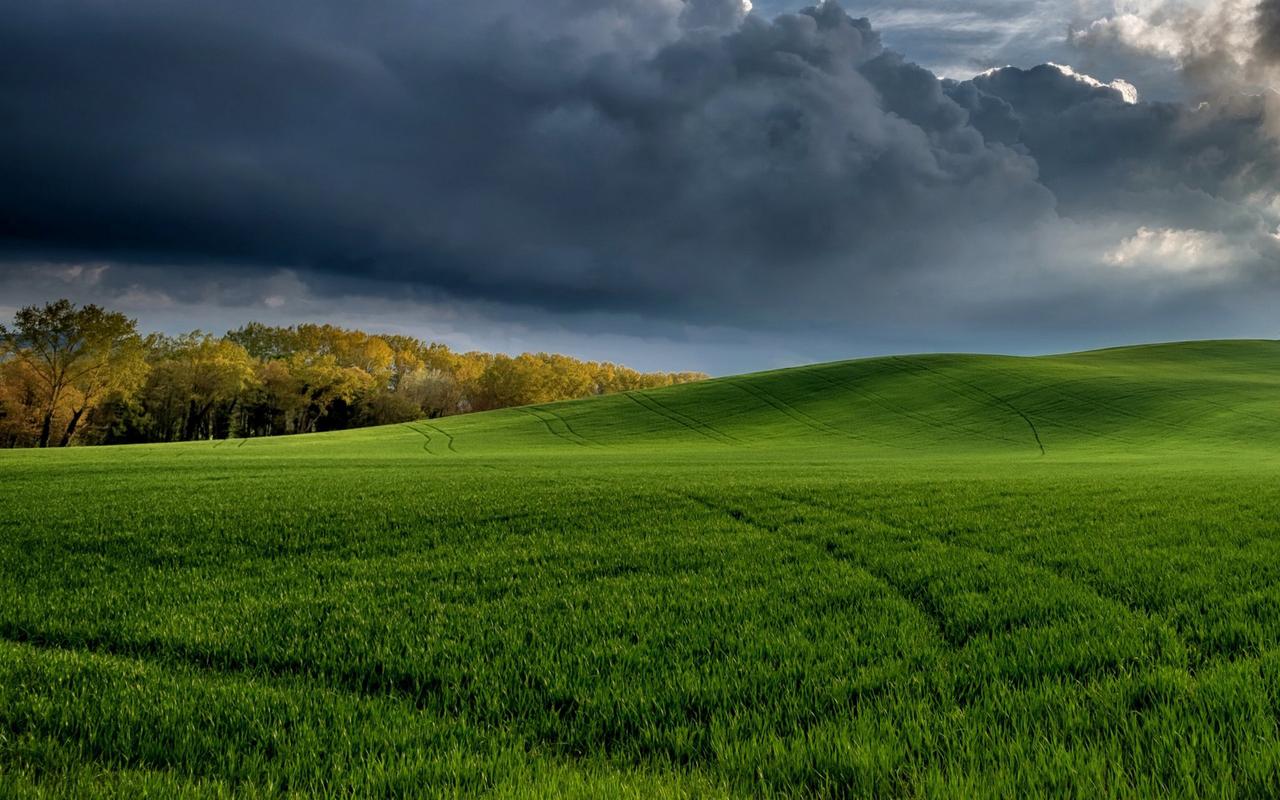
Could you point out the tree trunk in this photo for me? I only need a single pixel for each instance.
(192, 420)
(71, 427)
(46, 428)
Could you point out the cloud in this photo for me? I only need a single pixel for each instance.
(1106, 157)
(722, 15)
(646, 162)
(1127, 91)
(1216, 44)
(603, 162)
(1172, 250)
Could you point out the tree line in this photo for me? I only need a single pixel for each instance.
(86, 375)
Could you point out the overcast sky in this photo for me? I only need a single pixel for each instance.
(673, 185)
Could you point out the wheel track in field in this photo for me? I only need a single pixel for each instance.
(448, 437)
(1184, 394)
(790, 411)
(1104, 404)
(1044, 410)
(692, 420)
(1088, 589)
(568, 427)
(700, 428)
(1000, 401)
(931, 615)
(1062, 423)
(1234, 410)
(566, 436)
(923, 418)
(850, 386)
(906, 591)
(426, 446)
(424, 693)
(950, 640)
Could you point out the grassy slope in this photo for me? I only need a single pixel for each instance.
(857, 577)
(1200, 397)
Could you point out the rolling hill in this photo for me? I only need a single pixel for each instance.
(919, 576)
(1192, 396)
(1199, 395)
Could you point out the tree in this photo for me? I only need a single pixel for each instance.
(68, 372)
(433, 391)
(193, 375)
(20, 404)
(77, 356)
(323, 383)
(278, 399)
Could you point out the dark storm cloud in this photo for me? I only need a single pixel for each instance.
(1100, 153)
(649, 156)
(598, 156)
(1268, 28)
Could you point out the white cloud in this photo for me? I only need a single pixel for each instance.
(1127, 90)
(1214, 42)
(1172, 250)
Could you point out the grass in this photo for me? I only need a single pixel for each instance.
(934, 576)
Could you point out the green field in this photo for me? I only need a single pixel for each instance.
(934, 576)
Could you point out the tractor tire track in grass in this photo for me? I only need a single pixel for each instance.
(1000, 401)
(916, 594)
(691, 420)
(423, 693)
(927, 420)
(1109, 405)
(426, 446)
(448, 437)
(1094, 401)
(1052, 572)
(936, 622)
(569, 427)
(700, 428)
(1149, 638)
(1065, 404)
(1176, 426)
(788, 410)
(566, 435)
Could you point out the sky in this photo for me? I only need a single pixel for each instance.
(672, 184)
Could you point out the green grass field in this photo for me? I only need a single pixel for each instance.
(932, 576)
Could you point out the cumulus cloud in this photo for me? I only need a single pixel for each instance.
(658, 160)
(1127, 91)
(1212, 165)
(715, 14)
(1216, 44)
(1172, 250)
(640, 164)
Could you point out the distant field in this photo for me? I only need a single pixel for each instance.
(933, 576)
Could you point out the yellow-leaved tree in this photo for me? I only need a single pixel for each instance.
(76, 356)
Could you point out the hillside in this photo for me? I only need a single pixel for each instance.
(927, 576)
(1197, 396)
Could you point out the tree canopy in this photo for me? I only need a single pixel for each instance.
(87, 376)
